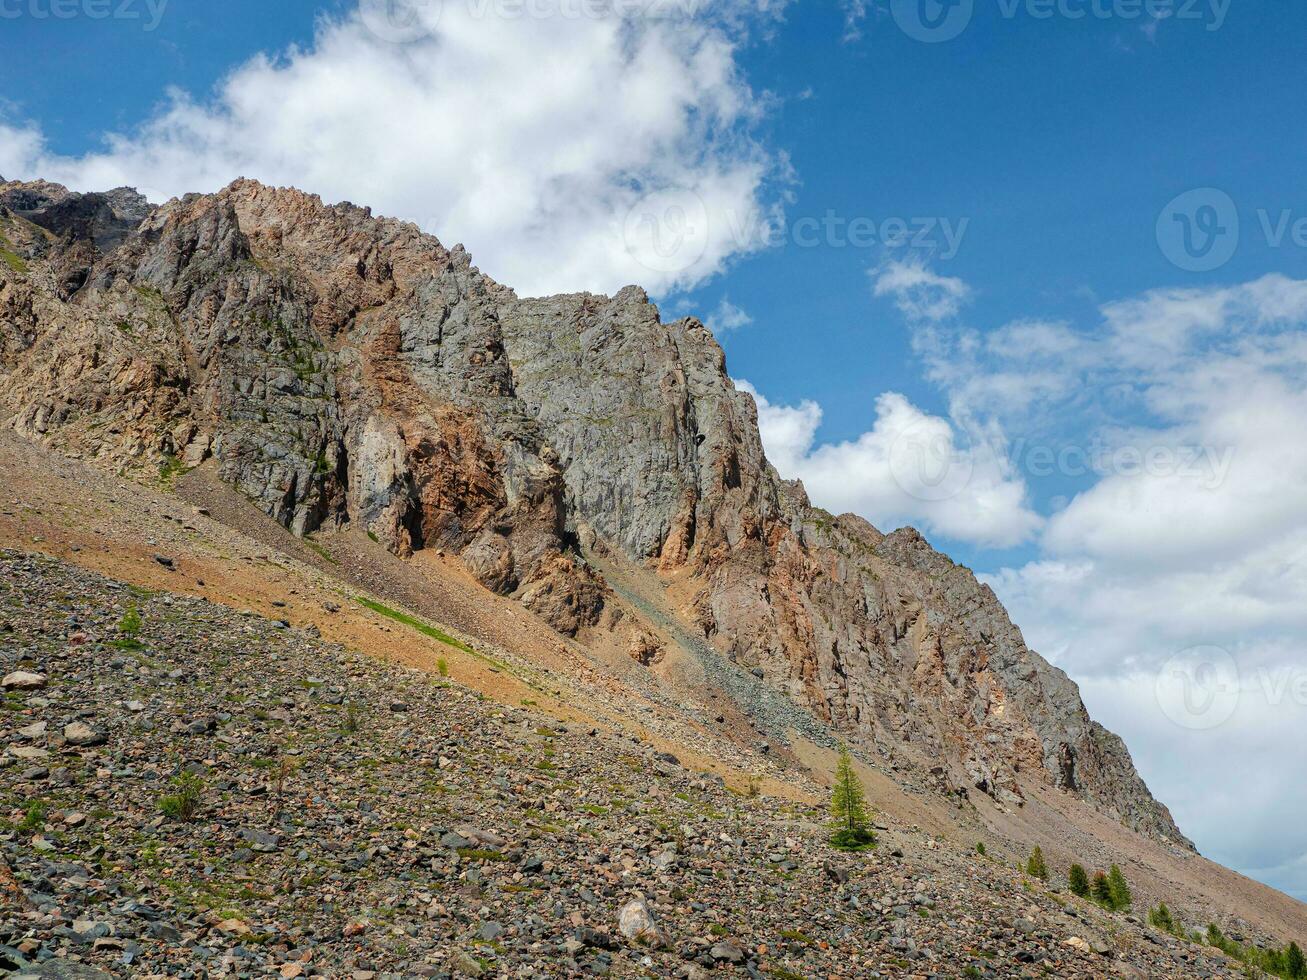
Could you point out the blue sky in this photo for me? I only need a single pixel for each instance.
(1059, 141)
(1054, 148)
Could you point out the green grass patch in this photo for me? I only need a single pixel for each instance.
(853, 841)
(185, 803)
(170, 469)
(478, 854)
(417, 624)
(128, 627)
(321, 552)
(33, 817)
(14, 261)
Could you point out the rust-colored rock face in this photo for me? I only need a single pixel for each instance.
(344, 369)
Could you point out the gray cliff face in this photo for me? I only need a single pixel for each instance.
(641, 413)
(343, 369)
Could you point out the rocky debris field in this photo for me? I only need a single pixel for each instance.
(187, 790)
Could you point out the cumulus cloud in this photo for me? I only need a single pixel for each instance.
(910, 467)
(726, 317)
(920, 293)
(1172, 583)
(1187, 545)
(1247, 814)
(567, 152)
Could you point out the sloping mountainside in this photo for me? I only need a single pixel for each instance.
(357, 820)
(345, 371)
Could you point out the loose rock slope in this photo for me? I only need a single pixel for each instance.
(361, 819)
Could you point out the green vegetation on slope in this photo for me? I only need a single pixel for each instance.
(417, 624)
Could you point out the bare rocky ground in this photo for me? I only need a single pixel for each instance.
(359, 818)
(212, 614)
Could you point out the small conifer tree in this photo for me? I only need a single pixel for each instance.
(1295, 963)
(1160, 918)
(1118, 889)
(1100, 890)
(849, 808)
(1078, 881)
(1035, 867)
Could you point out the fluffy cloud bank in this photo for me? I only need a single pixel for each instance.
(1174, 586)
(1171, 581)
(908, 468)
(567, 152)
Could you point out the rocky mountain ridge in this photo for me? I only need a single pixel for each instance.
(342, 369)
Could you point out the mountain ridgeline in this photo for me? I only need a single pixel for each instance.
(343, 370)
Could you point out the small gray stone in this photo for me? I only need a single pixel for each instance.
(81, 734)
(23, 680)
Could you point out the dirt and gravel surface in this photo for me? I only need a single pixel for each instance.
(244, 577)
(360, 818)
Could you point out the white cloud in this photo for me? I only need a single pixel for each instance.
(787, 431)
(1179, 416)
(531, 139)
(855, 12)
(726, 317)
(1191, 535)
(918, 292)
(1234, 787)
(908, 468)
